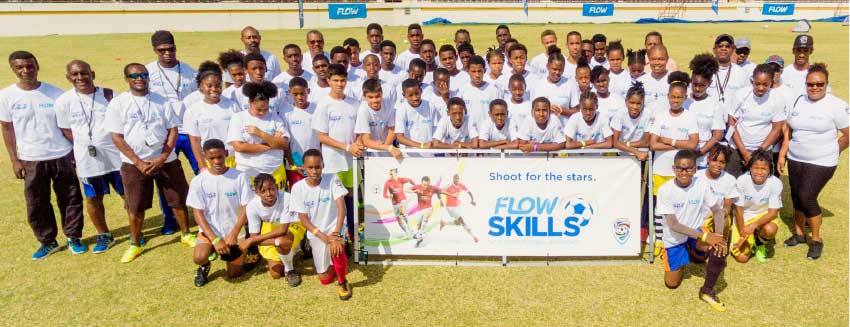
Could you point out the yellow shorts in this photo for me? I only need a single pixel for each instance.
(708, 226)
(269, 252)
(229, 162)
(658, 180)
(751, 240)
(279, 177)
(347, 178)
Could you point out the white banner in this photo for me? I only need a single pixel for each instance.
(492, 206)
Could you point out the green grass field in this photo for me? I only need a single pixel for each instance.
(157, 288)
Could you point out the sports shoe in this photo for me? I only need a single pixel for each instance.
(169, 226)
(45, 250)
(189, 239)
(103, 243)
(131, 253)
(815, 250)
(202, 275)
(795, 240)
(344, 291)
(76, 246)
(658, 247)
(293, 278)
(251, 258)
(713, 301)
(761, 253)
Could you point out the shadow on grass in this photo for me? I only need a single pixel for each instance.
(698, 270)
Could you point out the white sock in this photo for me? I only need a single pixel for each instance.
(287, 260)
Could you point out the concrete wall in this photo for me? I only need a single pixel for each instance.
(93, 18)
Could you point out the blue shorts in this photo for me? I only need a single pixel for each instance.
(676, 257)
(99, 185)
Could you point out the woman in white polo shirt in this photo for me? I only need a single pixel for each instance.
(811, 147)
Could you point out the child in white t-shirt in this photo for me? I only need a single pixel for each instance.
(757, 207)
(209, 118)
(630, 127)
(299, 119)
(318, 201)
(258, 135)
(589, 129)
(518, 101)
(496, 133)
(610, 103)
(477, 93)
(218, 196)
(539, 132)
(454, 131)
(416, 119)
(375, 124)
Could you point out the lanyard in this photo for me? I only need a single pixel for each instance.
(721, 88)
(90, 116)
(142, 112)
(164, 75)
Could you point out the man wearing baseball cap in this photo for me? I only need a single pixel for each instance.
(742, 52)
(795, 75)
(729, 77)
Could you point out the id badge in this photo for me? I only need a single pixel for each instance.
(150, 139)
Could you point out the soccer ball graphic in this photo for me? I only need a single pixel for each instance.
(580, 208)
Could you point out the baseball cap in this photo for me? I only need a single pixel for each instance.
(724, 37)
(804, 41)
(775, 59)
(742, 42)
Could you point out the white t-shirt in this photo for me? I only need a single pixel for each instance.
(403, 59)
(279, 213)
(477, 101)
(447, 133)
(173, 83)
(436, 101)
(144, 121)
(677, 128)
(737, 79)
(518, 112)
(84, 114)
(562, 93)
(242, 103)
(210, 121)
(37, 136)
(593, 63)
(221, 197)
(192, 98)
(318, 202)
(458, 81)
(336, 118)
(748, 67)
(307, 63)
(795, 79)
(417, 124)
(569, 69)
(656, 89)
(495, 82)
(687, 204)
(284, 77)
(367, 52)
(814, 130)
(578, 130)
(710, 117)
(255, 163)
(757, 199)
(302, 135)
(553, 133)
(392, 77)
(619, 84)
(631, 129)
(538, 64)
(489, 132)
(612, 105)
(755, 116)
(375, 123)
(505, 80)
(723, 186)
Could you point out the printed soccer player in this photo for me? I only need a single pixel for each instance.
(424, 193)
(394, 190)
(453, 193)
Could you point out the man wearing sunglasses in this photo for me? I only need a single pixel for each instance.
(316, 46)
(41, 155)
(729, 77)
(742, 53)
(173, 80)
(144, 128)
(794, 76)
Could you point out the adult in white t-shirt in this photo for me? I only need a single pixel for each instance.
(40, 155)
(80, 113)
(315, 46)
(811, 147)
(144, 128)
(757, 116)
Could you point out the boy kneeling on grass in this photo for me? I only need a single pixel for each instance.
(319, 202)
(218, 196)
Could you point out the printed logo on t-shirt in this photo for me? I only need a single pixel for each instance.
(678, 205)
(211, 195)
(309, 204)
(335, 118)
(682, 130)
(325, 199)
(693, 201)
(46, 105)
(230, 194)
(748, 198)
(296, 122)
(20, 106)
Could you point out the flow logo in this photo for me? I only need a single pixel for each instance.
(346, 10)
(777, 9)
(597, 9)
(540, 216)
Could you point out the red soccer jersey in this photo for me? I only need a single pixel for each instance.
(424, 195)
(395, 189)
(453, 201)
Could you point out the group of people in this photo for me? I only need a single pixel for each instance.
(272, 150)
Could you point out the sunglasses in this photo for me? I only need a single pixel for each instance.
(316, 41)
(686, 169)
(138, 75)
(815, 85)
(743, 51)
(164, 50)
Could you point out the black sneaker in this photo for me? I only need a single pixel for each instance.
(293, 278)
(344, 291)
(795, 240)
(815, 250)
(202, 275)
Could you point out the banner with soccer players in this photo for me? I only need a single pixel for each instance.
(493, 206)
